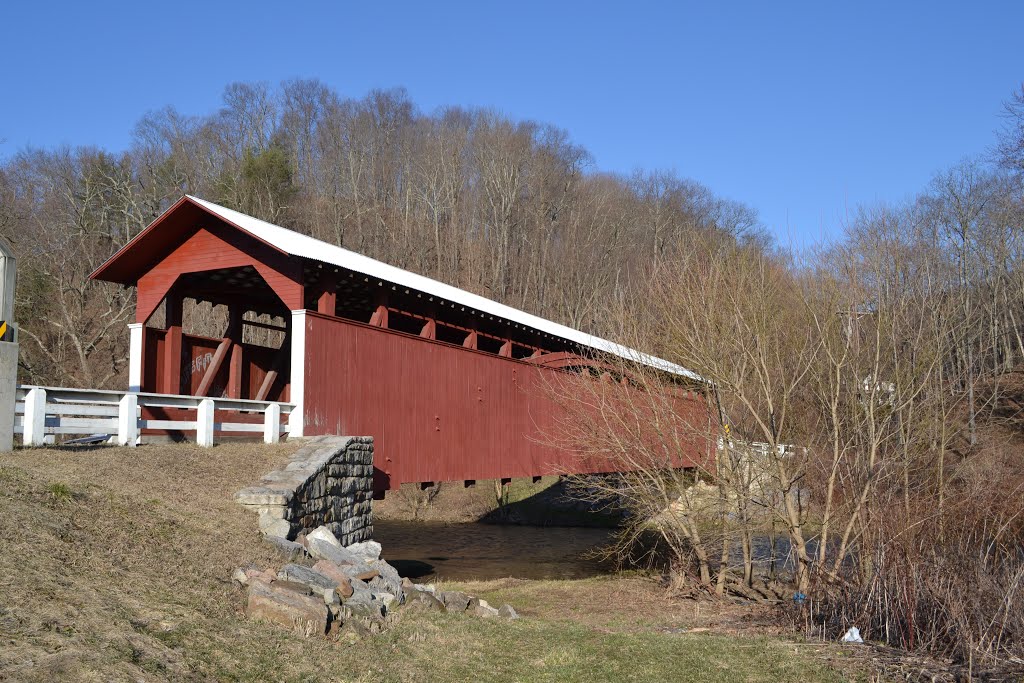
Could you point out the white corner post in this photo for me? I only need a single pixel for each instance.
(204, 423)
(35, 417)
(128, 420)
(272, 423)
(135, 356)
(296, 424)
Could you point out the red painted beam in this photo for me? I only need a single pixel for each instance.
(380, 317)
(271, 377)
(234, 335)
(211, 371)
(327, 302)
(172, 344)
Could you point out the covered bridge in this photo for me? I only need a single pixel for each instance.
(449, 384)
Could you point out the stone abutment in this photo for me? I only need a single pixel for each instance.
(327, 482)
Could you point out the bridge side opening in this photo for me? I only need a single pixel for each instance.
(221, 333)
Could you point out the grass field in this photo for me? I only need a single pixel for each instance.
(114, 566)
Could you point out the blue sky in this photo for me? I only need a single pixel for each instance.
(802, 110)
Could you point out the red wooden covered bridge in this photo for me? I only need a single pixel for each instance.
(451, 385)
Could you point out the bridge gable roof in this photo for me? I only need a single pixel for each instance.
(157, 240)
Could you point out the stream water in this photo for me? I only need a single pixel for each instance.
(428, 551)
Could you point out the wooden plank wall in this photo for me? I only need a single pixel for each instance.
(438, 412)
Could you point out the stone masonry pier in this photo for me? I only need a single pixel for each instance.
(327, 482)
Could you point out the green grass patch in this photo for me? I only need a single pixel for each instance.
(60, 493)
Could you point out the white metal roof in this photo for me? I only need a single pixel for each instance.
(297, 244)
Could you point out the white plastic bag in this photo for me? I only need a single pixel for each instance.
(853, 636)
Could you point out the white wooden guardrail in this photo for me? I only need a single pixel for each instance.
(40, 411)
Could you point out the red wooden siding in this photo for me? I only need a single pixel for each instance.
(437, 412)
(257, 361)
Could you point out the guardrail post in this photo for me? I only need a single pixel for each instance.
(35, 417)
(127, 420)
(204, 422)
(272, 423)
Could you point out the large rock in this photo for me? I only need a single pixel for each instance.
(334, 572)
(240, 577)
(295, 586)
(323, 549)
(454, 601)
(361, 572)
(325, 534)
(281, 528)
(415, 599)
(386, 599)
(291, 551)
(316, 581)
(303, 614)
(333, 602)
(368, 550)
(508, 612)
(482, 609)
(264, 495)
(361, 603)
(360, 592)
(389, 576)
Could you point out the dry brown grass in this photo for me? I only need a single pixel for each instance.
(115, 566)
(625, 603)
(109, 552)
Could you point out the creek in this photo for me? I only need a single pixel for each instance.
(432, 551)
